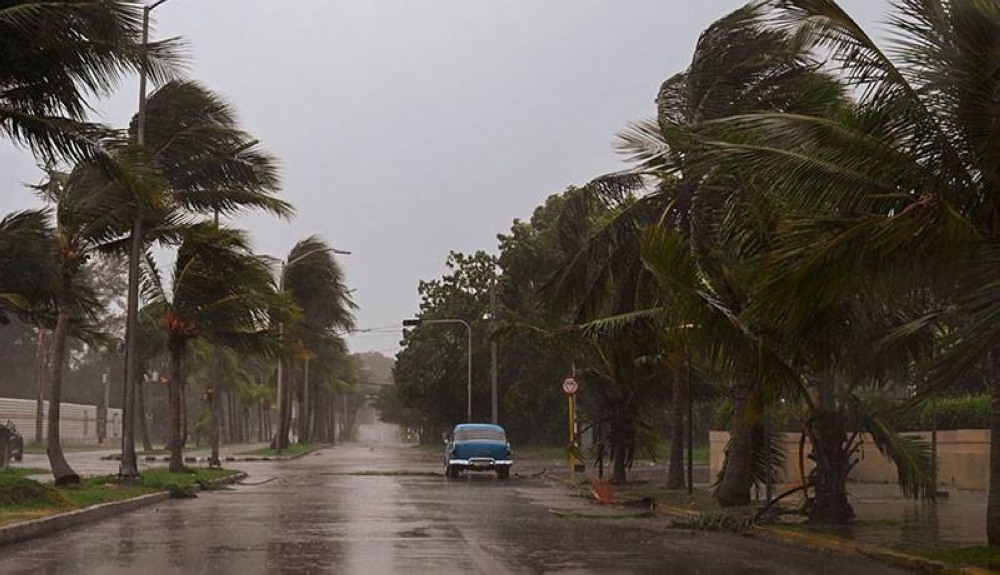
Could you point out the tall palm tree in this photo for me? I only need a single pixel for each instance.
(152, 347)
(219, 291)
(54, 54)
(315, 282)
(87, 220)
(899, 187)
(739, 66)
(203, 163)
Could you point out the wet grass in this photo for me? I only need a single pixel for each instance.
(293, 449)
(39, 448)
(23, 471)
(577, 515)
(981, 556)
(22, 499)
(700, 500)
(838, 530)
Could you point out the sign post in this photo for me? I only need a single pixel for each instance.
(570, 387)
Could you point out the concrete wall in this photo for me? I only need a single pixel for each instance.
(77, 423)
(963, 458)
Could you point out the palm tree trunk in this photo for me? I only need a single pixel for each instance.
(734, 488)
(284, 410)
(993, 503)
(829, 440)
(140, 389)
(619, 453)
(675, 473)
(61, 471)
(183, 412)
(304, 405)
(827, 432)
(176, 407)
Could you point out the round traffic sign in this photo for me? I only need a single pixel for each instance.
(570, 386)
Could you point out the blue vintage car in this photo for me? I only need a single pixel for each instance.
(478, 447)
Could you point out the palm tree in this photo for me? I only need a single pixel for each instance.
(739, 66)
(897, 188)
(84, 48)
(27, 274)
(195, 160)
(87, 221)
(152, 346)
(219, 291)
(315, 282)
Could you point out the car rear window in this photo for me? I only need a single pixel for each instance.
(479, 434)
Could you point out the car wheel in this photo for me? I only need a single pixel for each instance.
(452, 472)
(503, 472)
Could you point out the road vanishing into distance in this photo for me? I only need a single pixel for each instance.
(376, 508)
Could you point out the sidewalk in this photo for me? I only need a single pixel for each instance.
(97, 461)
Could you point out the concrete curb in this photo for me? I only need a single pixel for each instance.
(54, 523)
(277, 458)
(832, 544)
(229, 458)
(846, 546)
(35, 528)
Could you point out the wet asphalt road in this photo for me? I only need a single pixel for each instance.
(312, 515)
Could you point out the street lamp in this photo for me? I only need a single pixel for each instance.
(468, 328)
(282, 437)
(129, 468)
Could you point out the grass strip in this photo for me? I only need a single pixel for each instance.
(22, 499)
(978, 556)
(577, 515)
(23, 471)
(291, 450)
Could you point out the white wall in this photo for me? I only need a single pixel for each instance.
(77, 423)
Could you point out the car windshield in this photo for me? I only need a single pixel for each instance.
(479, 434)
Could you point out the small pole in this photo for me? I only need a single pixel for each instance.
(768, 473)
(690, 431)
(572, 438)
(494, 400)
(40, 375)
(934, 444)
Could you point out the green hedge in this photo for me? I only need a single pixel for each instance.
(965, 412)
(962, 412)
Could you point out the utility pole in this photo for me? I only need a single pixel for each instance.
(215, 400)
(494, 325)
(129, 469)
(40, 406)
(103, 423)
(284, 407)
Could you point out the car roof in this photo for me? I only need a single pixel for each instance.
(462, 426)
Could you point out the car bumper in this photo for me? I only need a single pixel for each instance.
(481, 463)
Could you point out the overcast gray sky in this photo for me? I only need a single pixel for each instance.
(408, 128)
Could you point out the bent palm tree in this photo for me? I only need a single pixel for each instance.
(739, 66)
(219, 291)
(54, 54)
(207, 164)
(87, 220)
(27, 271)
(900, 187)
(315, 282)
